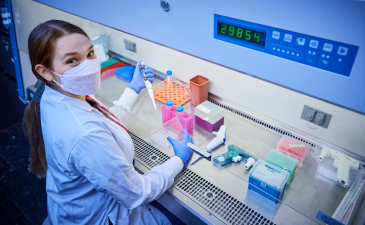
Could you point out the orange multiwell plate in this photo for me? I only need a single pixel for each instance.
(177, 92)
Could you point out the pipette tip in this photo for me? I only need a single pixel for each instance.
(157, 114)
(195, 160)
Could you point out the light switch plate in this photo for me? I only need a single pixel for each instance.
(319, 114)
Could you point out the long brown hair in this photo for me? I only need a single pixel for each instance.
(41, 44)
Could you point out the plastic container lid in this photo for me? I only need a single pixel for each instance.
(180, 108)
(169, 72)
(125, 72)
(209, 112)
(169, 103)
(281, 160)
(270, 175)
(294, 148)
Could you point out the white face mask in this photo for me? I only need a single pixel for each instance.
(84, 79)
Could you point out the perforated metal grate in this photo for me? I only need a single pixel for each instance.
(146, 154)
(216, 201)
(207, 195)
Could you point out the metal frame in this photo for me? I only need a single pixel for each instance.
(14, 48)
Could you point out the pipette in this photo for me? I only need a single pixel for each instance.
(149, 87)
(219, 139)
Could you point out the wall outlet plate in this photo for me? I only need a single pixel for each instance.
(131, 46)
(321, 118)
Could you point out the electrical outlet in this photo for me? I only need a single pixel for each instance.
(316, 116)
(319, 119)
(131, 46)
(311, 113)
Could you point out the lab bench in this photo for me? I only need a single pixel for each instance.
(220, 195)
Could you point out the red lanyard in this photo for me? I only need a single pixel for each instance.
(106, 112)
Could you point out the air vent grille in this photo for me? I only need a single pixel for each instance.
(260, 122)
(146, 154)
(214, 200)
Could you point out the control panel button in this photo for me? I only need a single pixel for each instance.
(342, 50)
(338, 65)
(288, 37)
(313, 44)
(311, 58)
(327, 47)
(324, 62)
(300, 40)
(276, 34)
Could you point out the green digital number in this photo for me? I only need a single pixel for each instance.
(224, 27)
(231, 30)
(257, 37)
(248, 34)
(239, 32)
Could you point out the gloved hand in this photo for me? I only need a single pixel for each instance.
(180, 148)
(137, 82)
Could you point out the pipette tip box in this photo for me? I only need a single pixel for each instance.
(125, 72)
(294, 148)
(108, 63)
(209, 116)
(268, 180)
(115, 65)
(281, 160)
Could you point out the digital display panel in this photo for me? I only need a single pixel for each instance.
(241, 33)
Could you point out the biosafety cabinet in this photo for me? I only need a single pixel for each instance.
(279, 69)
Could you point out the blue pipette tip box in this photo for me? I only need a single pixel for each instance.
(268, 180)
(125, 72)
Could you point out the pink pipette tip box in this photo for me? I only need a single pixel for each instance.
(294, 148)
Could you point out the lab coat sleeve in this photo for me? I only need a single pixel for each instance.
(123, 106)
(99, 158)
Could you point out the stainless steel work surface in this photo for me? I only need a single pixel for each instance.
(223, 191)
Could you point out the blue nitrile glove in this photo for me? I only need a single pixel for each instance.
(180, 148)
(137, 82)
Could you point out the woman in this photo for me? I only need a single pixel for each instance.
(81, 146)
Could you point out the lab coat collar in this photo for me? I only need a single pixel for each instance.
(59, 97)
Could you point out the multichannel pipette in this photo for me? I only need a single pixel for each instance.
(149, 87)
(199, 151)
(219, 139)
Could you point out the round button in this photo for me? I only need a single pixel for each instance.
(283, 51)
(273, 48)
(309, 52)
(279, 49)
(297, 54)
(322, 55)
(287, 52)
(340, 60)
(313, 53)
(292, 53)
(328, 57)
(165, 5)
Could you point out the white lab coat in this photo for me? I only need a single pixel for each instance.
(90, 175)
